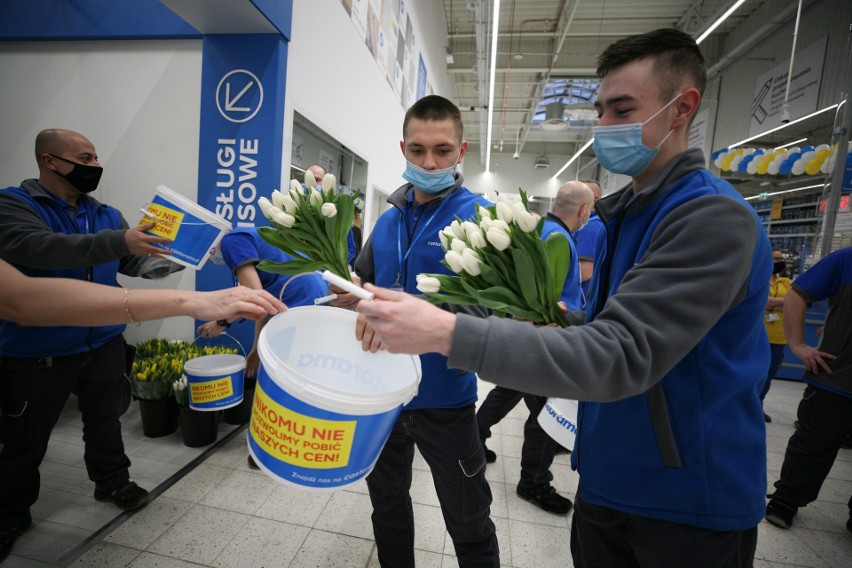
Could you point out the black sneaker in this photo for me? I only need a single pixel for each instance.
(251, 463)
(490, 456)
(767, 418)
(780, 513)
(547, 499)
(10, 535)
(849, 525)
(846, 444)
(129, 497)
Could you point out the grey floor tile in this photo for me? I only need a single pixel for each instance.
(294, 506)
(430, 531)
(534, 546)
(198, 483)
(786, 547)
(148, 560)
(330, 550)
(200, 535)
(262, 542)
(47, 541)
(423, 488)
(347, 513)
(149, 524)
(107, 555)
(241, 492)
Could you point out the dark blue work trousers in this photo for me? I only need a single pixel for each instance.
(449, 442)
(34, 392)
(539, 448)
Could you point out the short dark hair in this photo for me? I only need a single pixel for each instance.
(677, 58)
(434, 107)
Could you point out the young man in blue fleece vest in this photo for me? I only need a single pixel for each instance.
(441, 419)
(671, 448)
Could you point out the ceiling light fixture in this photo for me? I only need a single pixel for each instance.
(574, 157)
(765, 195)
(494, 29)
(777, 128)
(718, 22)
(791, 143)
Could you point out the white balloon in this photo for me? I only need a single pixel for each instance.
(736, 162)
(821, 147)
(793, 149)
(778, 160)
(752, 167)
(718, 161)
(798, 167)
(824, 167)
(772, 169)
(807, 156)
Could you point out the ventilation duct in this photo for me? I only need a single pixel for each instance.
(542, 162)
(553, 117)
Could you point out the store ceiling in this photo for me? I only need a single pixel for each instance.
(547, 41)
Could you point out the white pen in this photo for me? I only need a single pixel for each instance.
(325, 299)
(341, 282)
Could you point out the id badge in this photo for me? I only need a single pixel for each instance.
(771, 316)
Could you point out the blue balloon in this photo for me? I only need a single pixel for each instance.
(717, 153)
(807, 149)
(785, 167)
(743, 167)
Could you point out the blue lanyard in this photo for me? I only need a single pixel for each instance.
(404, 258)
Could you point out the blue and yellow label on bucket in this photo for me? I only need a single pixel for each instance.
(311, 447)
(193, 230)
(299, 439)
(210, 391)
(168, 220)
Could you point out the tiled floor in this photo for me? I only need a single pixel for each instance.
(223, 514)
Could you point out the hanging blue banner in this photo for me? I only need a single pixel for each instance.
(241, 137)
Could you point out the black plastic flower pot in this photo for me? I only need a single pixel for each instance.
(199, 427)
(159, 417)
(241, 413)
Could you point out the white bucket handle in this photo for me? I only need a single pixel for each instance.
(186, 355)
(317, 301)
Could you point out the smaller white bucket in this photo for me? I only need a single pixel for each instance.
(194, 230)
(559, 419)
(215, 382)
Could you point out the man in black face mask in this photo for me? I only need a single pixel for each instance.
(51, 227)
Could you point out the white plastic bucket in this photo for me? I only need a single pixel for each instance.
(323, 408)
(215, 382)
(559, 419)
(194, 230)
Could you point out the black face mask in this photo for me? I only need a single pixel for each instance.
(84, 178)
(778, 267)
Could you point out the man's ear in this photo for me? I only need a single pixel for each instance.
(686, 106)
(462, 150)
(402, 147)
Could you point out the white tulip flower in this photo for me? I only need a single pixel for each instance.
(316, 196)
(329, 184)
(484, 213)
(295, 186)
(477, 239)
(500, 224)
(266, 206)
(428, 284)
(457, 229)
(454, 259)
(277, 199)
(469, 228)
(283, 219)
(504, 212)
(290, 205)
(310, 180)
(498, 238)
(526, 221)
(329, 210)
(458, 245)
(443, 235)
(471, 262)
(486, 224)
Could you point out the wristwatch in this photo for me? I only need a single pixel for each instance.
(223, 323)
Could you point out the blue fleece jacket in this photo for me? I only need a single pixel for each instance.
(17, 341)
(403, 244)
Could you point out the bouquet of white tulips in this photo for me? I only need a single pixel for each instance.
(311, 227)
(500, 261)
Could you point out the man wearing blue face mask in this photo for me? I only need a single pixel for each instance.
(669, 364)
(52, 227)
(441, 419)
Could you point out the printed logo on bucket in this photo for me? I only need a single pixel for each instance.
(298, 439)
(168, 220)
(343, 366)
(561, 420)
(208, 391)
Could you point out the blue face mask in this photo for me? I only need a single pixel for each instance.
(619, 147)
(217, 258)
(430, 181)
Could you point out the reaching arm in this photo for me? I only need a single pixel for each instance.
(59, 301)
(795, 307)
